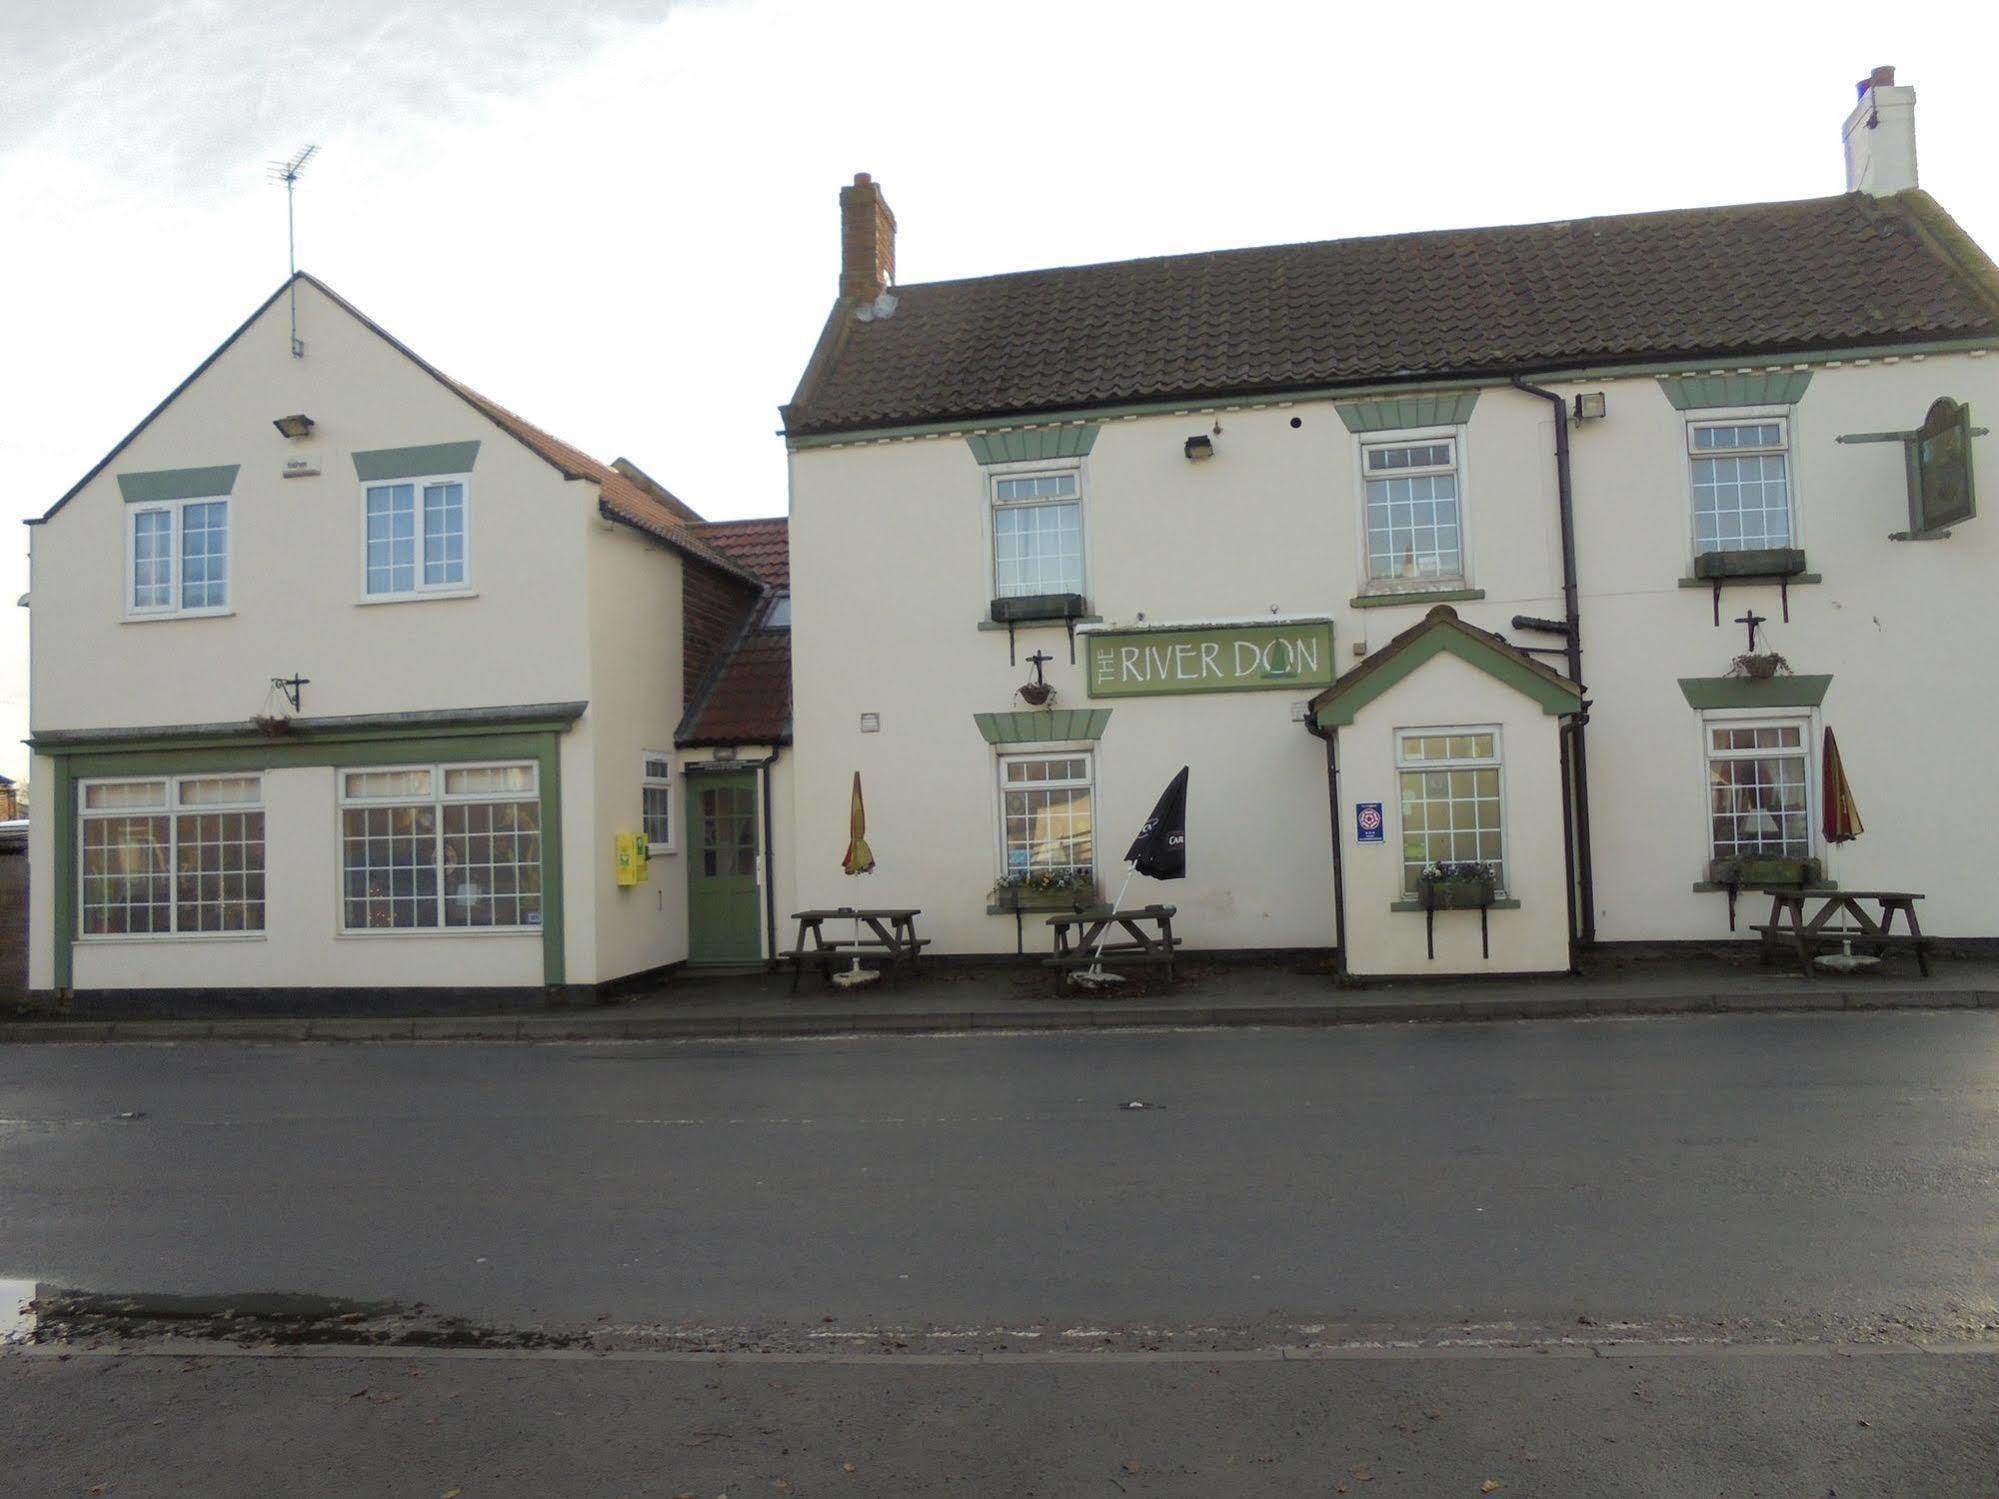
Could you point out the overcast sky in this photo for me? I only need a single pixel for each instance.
(620, 218)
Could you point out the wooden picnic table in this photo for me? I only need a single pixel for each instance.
(892, 934)
(1790, 926)
(1149, 930)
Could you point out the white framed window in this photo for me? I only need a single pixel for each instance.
(1759, 775)
(656, 818)
(1453, 801)
(1413, 519)
(450, 846)
(416, 537)
(177, 557)
(1741, 471)
(171, 856)
(1047, 814)
(1037, 531)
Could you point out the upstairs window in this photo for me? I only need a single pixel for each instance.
(416, 537)
(1413, 534)
(177, 557)
(1037, 533)
(1759, 790)
(1742, 485)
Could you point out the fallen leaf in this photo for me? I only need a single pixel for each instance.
(1361, 1475)
(848, 1468)
(1339, 1488)
(1133, 1465)
(1643, 1393)
(450, 1494)
(1490, 1486)
(780, 1485)
(358, 1393)
(1435, 1413)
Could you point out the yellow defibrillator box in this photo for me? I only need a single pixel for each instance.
(634, 858)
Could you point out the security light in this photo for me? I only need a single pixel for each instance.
(1590, 405)
(1200, 446)
(296, 425)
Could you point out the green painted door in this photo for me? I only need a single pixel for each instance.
(723, 922)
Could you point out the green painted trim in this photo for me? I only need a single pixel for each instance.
(1416, 596)
(1028, 445)
(1338, 705)
(1047, 726)
(1759, 388)
(1446, 409)
(426, 724)
(415, 463)
(1501, 903)
(541, 744)
(178, 484)
(1749, 692)
(1772, 580)
(957, 426)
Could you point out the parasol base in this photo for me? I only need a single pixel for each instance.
(1094, 978)
(1846, 962)
(855, 977)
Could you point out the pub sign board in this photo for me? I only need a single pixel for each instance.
(1146, 662)
(1941, 453)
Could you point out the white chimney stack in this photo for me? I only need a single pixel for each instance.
(1881, 137)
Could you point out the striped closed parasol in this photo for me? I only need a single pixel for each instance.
(1842, 821)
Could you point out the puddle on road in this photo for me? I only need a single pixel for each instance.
(17, 1317)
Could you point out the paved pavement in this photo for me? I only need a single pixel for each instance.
(1666, 1256)
(1210, 994)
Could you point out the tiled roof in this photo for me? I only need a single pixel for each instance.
(760, 546)
(749, 701)
(1760, 279)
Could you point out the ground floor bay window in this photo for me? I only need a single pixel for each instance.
(1451, 806)
(172, 856)
(451, 846)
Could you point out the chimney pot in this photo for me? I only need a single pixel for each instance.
(867, 241)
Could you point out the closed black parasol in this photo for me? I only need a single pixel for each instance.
(1160, 850)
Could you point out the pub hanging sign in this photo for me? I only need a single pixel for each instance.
(1940, 492)
(1149, 662)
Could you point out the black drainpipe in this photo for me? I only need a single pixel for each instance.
(1332, 739)
(1572, 631)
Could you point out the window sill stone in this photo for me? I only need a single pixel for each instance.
(1499, 903)
(365, 602)
(1041, 624)
(167, 616)
(1391, 597)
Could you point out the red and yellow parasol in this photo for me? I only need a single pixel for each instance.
(860, 859)
(1842, 817)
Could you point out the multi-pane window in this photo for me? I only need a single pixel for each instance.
(416, 536)
(440, 846)
(656, 800)
(172, 856)
(1037, 533)
(178, 557)
(1742, 485)
(1412, 511)
(1451, 809)
(1045, 815)
(1759, 790)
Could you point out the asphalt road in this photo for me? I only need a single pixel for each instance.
(964, 1266)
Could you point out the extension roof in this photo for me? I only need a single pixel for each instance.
(1757, 280)
(747, 698)
(1441, 632)
(639, 503)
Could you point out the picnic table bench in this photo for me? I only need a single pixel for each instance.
(1807, 935)
(891, 933)
(1148, 930)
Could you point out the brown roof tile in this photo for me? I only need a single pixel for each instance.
(759, 546)
(1759, 279)
(749, 701)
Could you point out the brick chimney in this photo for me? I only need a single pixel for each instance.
(867, 241)
(1881, 136)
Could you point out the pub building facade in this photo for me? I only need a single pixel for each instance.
(1553, 549)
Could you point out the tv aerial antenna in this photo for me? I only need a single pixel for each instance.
(288, 172)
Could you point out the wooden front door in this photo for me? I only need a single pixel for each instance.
(723, 923)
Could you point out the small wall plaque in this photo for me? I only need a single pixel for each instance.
(301, 468)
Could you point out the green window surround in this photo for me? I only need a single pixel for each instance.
(1758, 388)
(1046, 726)
(1754, 692)
(445, 738)
(178, 484)
(1399, 413)
(378, 464)
(1032, 444)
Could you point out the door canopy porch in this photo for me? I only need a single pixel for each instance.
(1441, 632)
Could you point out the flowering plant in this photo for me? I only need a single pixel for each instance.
(1439, 871)
(1080, 877)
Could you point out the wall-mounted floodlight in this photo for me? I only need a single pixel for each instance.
(1200, 446)
(298, 424)
(1590, 406)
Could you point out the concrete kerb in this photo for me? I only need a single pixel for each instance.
(609, 1024)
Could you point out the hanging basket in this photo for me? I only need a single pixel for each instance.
(1036, 694)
